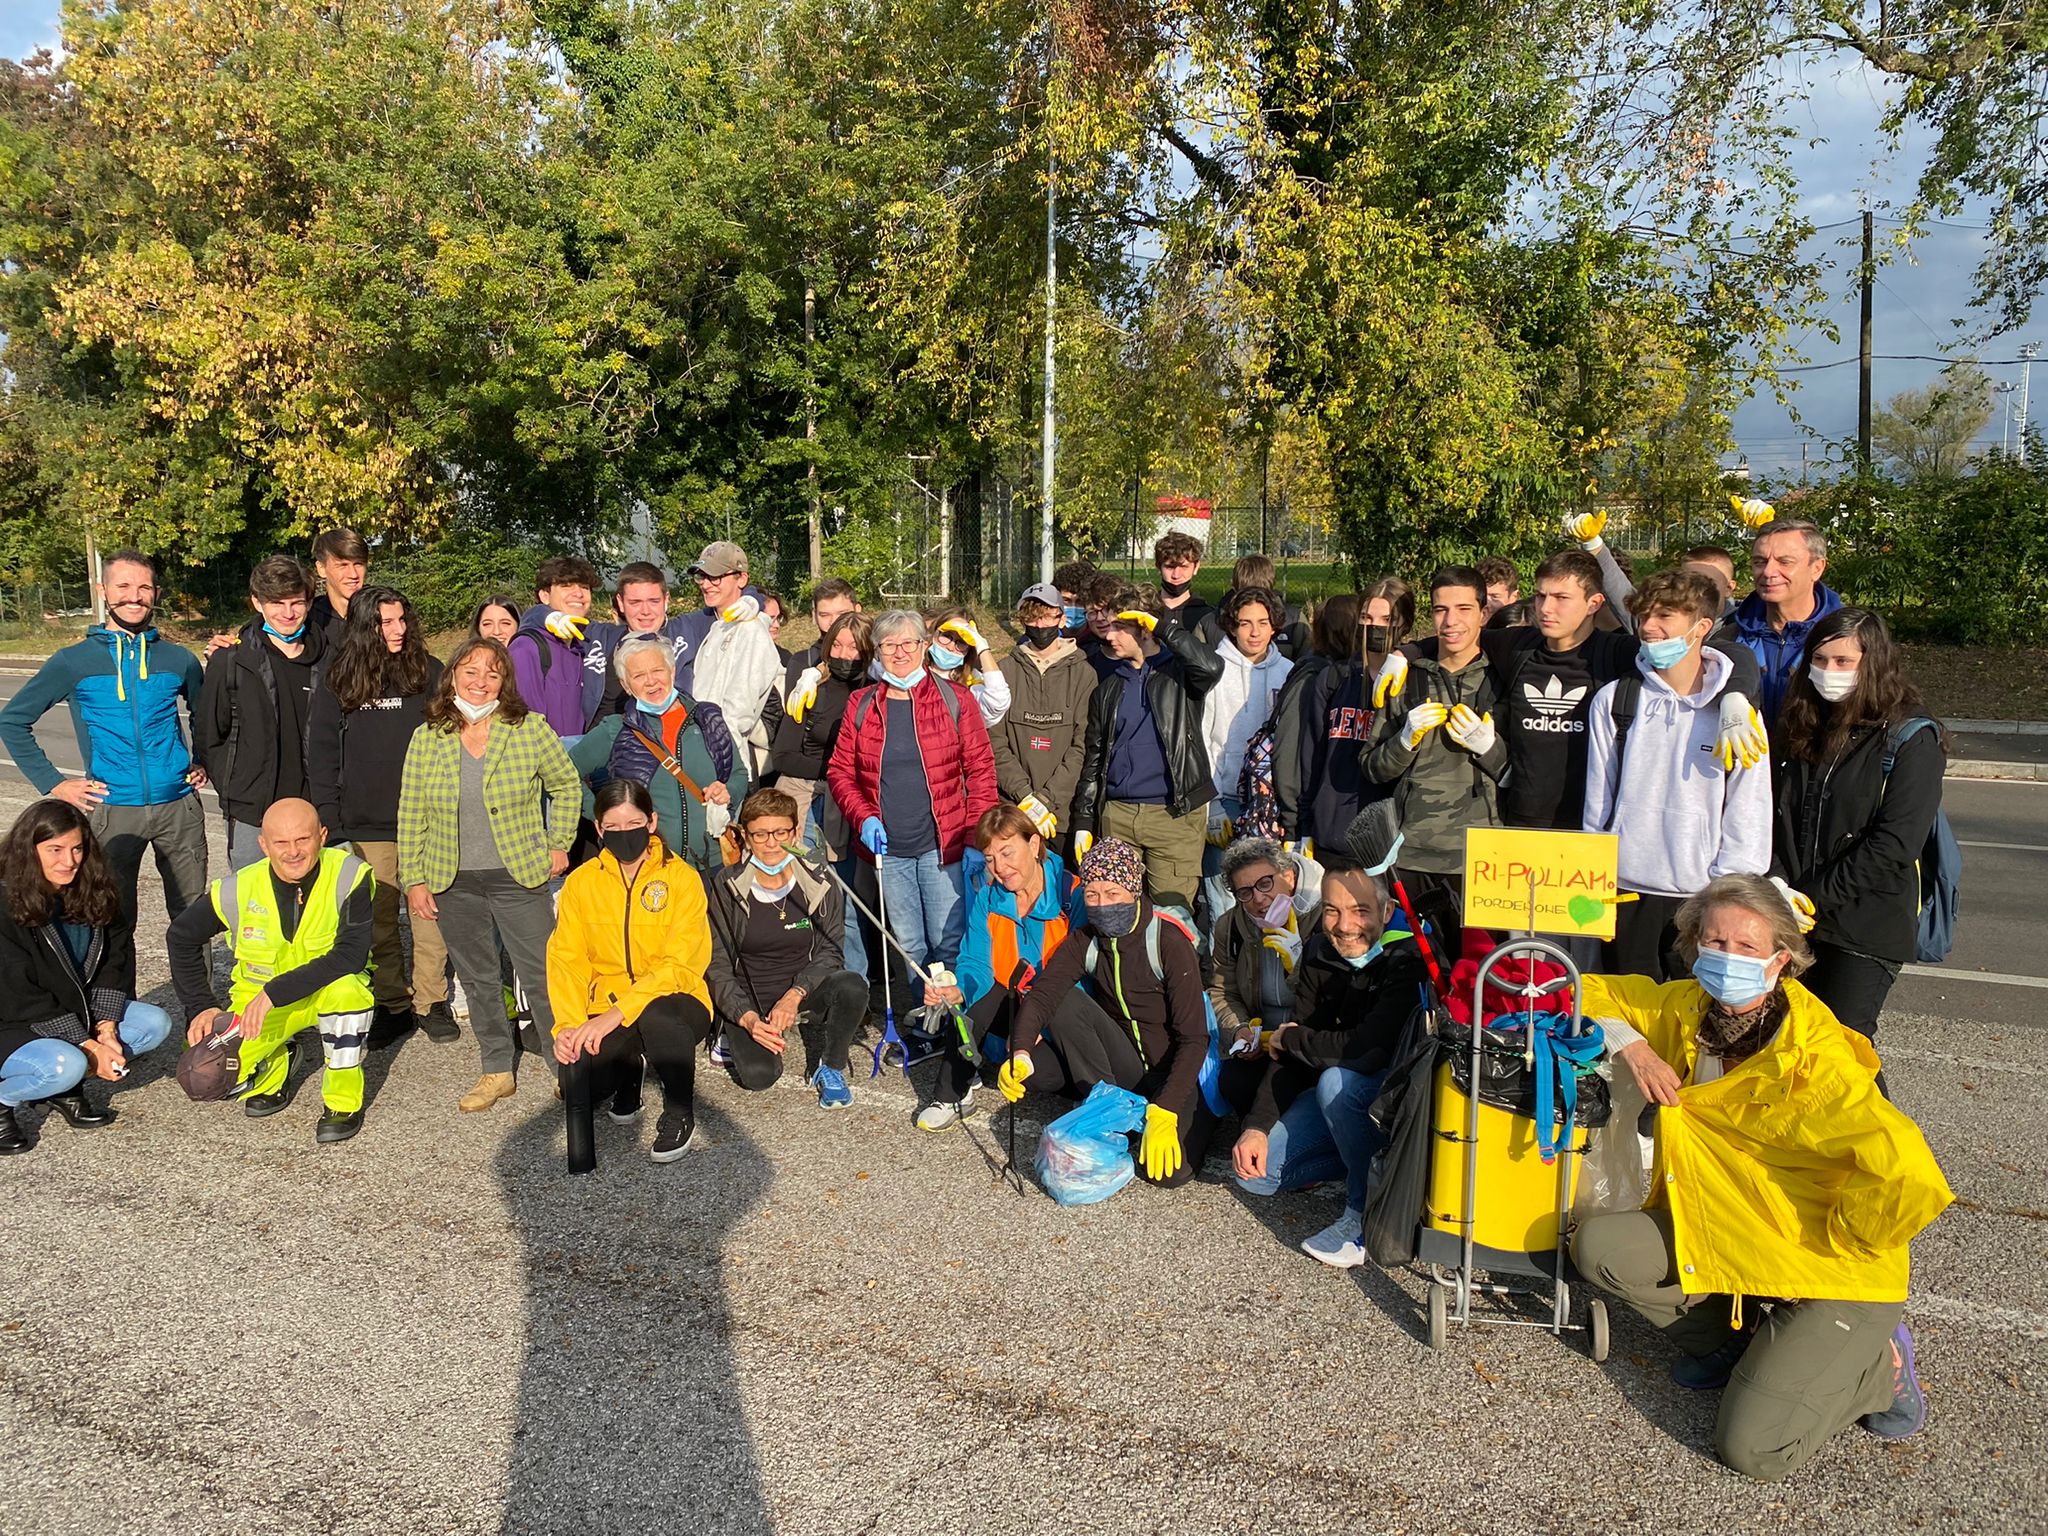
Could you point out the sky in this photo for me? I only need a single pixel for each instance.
(1917, 301)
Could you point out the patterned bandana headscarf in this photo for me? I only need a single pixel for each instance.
(1116, 861)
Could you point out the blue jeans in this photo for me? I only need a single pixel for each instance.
(855, 946)
(1322, 1135)
(927, 906)
(44, 1068)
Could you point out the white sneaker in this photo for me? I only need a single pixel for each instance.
(943, 1117)
(1341, 1244)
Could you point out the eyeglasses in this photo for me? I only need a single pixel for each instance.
(767, 837)
(901, 645)
(1260, 887)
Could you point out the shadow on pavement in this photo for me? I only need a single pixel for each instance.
(630, 1417)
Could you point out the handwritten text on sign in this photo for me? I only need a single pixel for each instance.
(1574, 874)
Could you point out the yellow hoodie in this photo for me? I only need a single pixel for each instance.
(1791, 1175)
(628, 945)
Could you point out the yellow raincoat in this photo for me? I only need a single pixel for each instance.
(1791, 1176)
(629, 946)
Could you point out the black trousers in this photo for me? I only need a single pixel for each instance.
(1645, 941)
(832, 1014)
(1853, 986)
(665, 1037)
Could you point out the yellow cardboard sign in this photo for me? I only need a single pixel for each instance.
(1575, 880)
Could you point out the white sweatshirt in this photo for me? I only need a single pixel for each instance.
(1238, 705)
(737, 668)
(1682, 820)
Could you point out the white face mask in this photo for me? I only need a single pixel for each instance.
(1833, 684)
(474, 712)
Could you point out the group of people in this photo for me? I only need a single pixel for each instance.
(1116, 854)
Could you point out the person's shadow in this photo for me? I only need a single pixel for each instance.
(630, 1417)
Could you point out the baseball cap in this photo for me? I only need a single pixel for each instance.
(210, 1069)
(1042, 592)
(720, 558)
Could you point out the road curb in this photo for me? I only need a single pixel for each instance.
(1999, 727)
(1980, 768)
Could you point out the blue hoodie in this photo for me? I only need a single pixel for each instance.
(986, 899)
(1778, 651)
(123, 691)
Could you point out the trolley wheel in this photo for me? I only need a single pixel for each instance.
(1439, 1315)
(1596, 1327)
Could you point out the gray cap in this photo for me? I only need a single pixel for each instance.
(720, 558)
(1042, 592)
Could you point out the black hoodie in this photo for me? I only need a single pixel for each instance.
(252, 719)
(355, 761)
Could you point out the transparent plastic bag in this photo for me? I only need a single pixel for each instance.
(1085, 1156)
(1615, 1174)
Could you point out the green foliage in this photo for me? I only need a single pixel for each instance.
(448, 577)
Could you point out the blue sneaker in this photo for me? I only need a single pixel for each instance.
(1907, 1415)
(720, 1056)
(1708, 1373)
(832, 1090)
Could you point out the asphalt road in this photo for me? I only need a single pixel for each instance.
(833, 1323)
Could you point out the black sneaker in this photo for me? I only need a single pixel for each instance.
(389, 1026)
(673, 1135)
(625, 1106)
(257, 1105)
(1710, 1372)
(439, 1025)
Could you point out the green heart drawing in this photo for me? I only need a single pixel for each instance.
(1584, 910)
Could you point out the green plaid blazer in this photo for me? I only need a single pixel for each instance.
(522, 763)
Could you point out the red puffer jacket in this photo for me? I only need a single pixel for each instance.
(958, 763)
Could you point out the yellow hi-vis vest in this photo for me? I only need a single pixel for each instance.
(246, 901)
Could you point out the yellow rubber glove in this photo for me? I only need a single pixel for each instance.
(1083, 841)
(804, 694)
(1754, 513)
(1800, 903)
(1287, 946)
(966, 633)
(1144, 621)
(1010, 1077)
(1586, 527)
(1473, 732)
(1160, 1149)
(744, 608)
(1222, 830)
(1423, 719)
(566, 627)
(1041, 815)
(1392, 678)
(1742, 737)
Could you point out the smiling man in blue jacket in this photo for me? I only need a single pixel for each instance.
(140, 783)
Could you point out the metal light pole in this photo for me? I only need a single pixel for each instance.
(2028, 352)
(1049, 436)
(2005, 392)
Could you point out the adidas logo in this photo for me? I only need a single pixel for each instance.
(1552, 698)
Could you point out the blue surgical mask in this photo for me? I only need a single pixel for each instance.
(943, 659)
(1075, 615)
(1360, 962)
(1732, 979)
(905, 683)
(1666, 653)
(1113, 919)
(773, 869)
(289, 639)
(664, 706)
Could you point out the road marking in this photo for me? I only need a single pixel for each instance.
(2032, 1325)
(1937, 973)
(2014, 847)
(1965, 1063)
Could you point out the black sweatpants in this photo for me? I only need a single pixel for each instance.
(664, 1037)
(1645, 941)
(832, 1014)
(1853, 986)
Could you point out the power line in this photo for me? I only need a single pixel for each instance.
(1907, 357)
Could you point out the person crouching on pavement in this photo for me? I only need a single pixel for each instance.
(67, 972)
(1146, 1028)
(776, 960)
(299, 925)
(626, 969)
(1773, 1253)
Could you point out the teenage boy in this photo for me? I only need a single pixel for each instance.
(257, 699)
(1435, 744)
(1178, 558)
(1710, 560)
(640, 603)
(1073, 580)
(1144, 771)
(123, 685)
(1503, 583)
(728, 657)
(548, 651)
(1655, 779)
(341, 559)
(1038, 744)
(831, 600)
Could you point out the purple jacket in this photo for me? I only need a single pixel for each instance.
(549, 673)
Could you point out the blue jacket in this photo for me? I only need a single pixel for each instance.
(987, 899)
(1777, 651)
(123, 691)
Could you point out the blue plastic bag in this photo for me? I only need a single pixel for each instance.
(1085, 1155)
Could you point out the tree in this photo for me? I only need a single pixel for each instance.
(1927, 432)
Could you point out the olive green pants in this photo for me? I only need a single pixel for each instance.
(1171, 846)
(1811, 1370)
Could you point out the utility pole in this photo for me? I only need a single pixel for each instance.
(2029, 352)
(2005, 392)
(1048, 444)
(92, 577)
(1863, 355)
(817, 522)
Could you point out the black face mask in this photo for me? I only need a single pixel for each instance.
(1379, 639)
(846, 669)
(628, 845)
(148, 618)
(1173, 588)
(1040, 636)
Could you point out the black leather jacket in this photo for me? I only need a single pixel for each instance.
(1176, 688)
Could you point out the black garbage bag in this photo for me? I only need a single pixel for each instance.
(1506, 1079)
(1397, 1184)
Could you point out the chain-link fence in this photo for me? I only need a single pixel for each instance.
(45, 605)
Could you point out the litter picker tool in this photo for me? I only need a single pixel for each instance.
(1374, 839)
(889, 1035)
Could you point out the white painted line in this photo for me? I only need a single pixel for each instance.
(2031, 1325)
(2012, 847)
(1939, 973)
